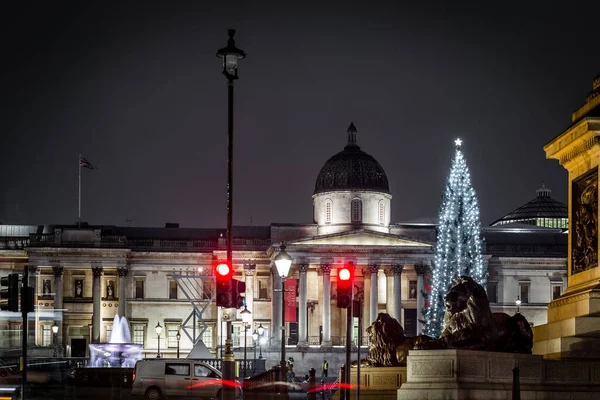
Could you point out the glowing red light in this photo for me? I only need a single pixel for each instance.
(344, 274)
(223, 269)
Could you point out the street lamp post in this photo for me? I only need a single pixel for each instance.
(246, 316)
(230, 56)
(283, 262)
(178, 336)
(254, 340)
(518, 303)
(55, 332)
(261, 331)
(158, 332)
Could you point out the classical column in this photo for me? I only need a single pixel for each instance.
(123, 271)
(33, 327)
(249, 272)
(302, 310)
(390, 299)
(276, 309)
(366, 311)
(373, 299)
(326, 270)
(58, 304)
(421, 269)
(97, 271)
(397, 290)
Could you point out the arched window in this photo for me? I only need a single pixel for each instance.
(381, 213)
(356, 210)
(328, 212)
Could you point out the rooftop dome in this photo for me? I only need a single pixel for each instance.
(352, 169)
(543, 206)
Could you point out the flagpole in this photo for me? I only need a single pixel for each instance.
(79, 197)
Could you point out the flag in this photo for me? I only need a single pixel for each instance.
(83, 162)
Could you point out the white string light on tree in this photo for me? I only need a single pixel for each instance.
(458, 246)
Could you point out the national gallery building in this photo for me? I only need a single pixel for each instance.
(84, 276)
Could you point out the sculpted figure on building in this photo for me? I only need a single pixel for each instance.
(585, 210)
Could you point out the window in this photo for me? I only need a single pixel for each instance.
(524, 292)
(556, 291)
(202, 371)
(139, 289)
(138, 334)
(263, 288)
(238, 336)
(177, 369)
(356, 210)
(207, 288)
(172, 290)
(412, 289)
(46, 335)
(381, 213)
(328, 212)
(207, 337)
(492, 292)
(108, 332)
(172, 335)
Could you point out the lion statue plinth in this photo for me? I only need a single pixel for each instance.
(470, 324)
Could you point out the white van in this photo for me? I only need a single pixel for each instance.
(160, 378)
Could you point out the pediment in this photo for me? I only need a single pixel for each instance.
(360, 238)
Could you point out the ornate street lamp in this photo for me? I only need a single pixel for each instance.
(283, 262)
(178, 336)
(246, 318)
(254, 340)
(230, 55)
(158, 332)
(518, 303)
(55, 332)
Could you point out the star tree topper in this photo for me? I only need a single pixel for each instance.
(458, 142)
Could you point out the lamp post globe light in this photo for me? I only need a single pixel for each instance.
(178, 336)
(158, 329)
(55, 332)
(518, 303)
(283, 262)
(246, 318)
(230, 56)
(261, 339)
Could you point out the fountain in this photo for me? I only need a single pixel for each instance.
(119, 352)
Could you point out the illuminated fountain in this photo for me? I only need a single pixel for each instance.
(119, 351)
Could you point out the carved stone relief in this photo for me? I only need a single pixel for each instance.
(584, 223)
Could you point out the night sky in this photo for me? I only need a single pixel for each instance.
(137, 90)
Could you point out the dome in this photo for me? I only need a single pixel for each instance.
(352, 169)
(542, 211)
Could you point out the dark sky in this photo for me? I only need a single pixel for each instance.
(137, 89)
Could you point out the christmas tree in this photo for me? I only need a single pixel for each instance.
(458, 246)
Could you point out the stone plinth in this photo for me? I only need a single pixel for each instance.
(573, 328)
(467, 374)
(380, 383)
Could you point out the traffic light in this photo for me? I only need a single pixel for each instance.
(239, 288)
(345, 284)
(224, 286)
(9, 295)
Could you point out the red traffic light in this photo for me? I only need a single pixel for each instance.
(345, 284)
(223, 269)
(344, 274)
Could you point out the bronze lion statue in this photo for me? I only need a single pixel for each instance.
(387, 343)
(470, 324)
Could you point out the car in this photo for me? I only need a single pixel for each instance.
(160, 378)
